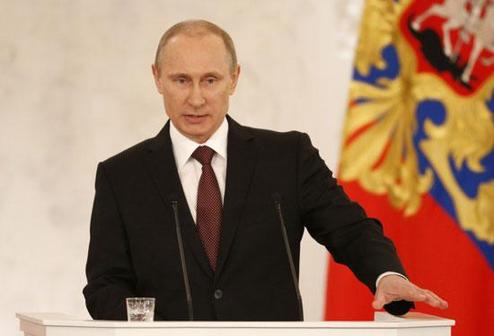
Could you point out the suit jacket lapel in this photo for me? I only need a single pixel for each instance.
(161, 163)
(242, 152)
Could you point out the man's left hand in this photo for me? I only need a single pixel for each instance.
(395, 288)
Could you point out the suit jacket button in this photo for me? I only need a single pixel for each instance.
(218, 294)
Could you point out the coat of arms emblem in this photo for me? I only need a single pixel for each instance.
(421, 113)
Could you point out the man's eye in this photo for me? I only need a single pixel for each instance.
(210, 80)
(180, 80)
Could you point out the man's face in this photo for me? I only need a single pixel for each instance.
(196, 81)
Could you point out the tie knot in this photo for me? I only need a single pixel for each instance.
(203, 154)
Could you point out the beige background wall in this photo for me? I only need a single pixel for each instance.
(76, 87)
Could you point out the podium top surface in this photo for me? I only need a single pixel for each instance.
(382, 320)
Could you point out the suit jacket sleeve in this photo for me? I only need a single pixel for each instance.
(109, 269)
(342, 226)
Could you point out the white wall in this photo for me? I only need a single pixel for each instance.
(76, 87)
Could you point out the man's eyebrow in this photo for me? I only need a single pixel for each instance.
(213, 74)
(177, 74)
(185, 75)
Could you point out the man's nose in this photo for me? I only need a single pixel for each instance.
(196, 98)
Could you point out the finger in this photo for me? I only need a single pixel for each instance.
(443, 304)
(378, 303)
(412, 293)
(434, 300)
(379, 300)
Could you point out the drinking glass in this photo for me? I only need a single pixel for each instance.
(140, 309)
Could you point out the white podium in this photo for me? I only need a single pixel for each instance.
(54, 324)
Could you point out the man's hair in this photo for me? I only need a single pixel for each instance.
(196, 28)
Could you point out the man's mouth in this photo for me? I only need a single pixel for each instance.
(194, 118)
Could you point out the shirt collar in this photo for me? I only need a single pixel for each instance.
(183, 147)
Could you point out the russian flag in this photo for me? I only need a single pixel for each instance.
(418, 153)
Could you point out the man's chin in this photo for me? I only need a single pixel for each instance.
(197, 134)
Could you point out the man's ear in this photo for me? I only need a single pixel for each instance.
(157, 78)
(235, 75)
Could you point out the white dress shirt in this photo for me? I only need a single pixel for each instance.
(190, 170)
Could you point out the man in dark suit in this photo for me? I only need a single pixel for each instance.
(226, 181)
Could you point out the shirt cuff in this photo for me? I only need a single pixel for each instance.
(386, 274)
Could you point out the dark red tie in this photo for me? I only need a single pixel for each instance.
(209, 206)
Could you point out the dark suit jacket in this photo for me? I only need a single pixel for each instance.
(134, 251)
